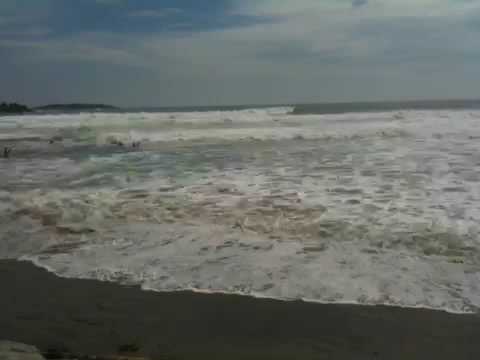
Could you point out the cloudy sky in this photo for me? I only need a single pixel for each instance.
(213, 52)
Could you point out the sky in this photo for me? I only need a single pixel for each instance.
(222, 52)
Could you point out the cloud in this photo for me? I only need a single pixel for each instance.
(88, 48)
(159, 13)
(341, 8)
(25, 32)
(309, 50)
(359, 3)
(110, 2)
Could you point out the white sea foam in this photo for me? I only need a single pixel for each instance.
(365, 208)
(261, 124)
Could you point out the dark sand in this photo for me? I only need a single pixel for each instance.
(91, 317)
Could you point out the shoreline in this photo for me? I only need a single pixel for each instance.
(97, 318)
(42, 266)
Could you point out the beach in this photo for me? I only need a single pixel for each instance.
(242, 234)
(237, 179)
(89, 317)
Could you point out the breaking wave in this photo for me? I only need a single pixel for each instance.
(364, 208)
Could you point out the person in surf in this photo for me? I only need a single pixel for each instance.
(6, 152)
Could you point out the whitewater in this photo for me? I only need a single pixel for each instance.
(370, 208)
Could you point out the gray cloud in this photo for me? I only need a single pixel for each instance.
(110, 2)
(359, 3)
(155, 13)
(25, 32)
(316, 51)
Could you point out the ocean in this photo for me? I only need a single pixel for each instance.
(343, 203)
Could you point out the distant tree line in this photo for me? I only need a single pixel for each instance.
(74, 107)
(13, 108)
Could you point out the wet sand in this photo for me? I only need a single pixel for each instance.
(90, 317)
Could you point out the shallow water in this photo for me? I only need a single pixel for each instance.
(361, 207)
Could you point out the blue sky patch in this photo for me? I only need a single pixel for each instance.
(67, 17)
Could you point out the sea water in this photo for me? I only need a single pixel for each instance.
(371, 207)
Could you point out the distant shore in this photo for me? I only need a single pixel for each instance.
(320, 108)
(19, 109)
(75, 107)
(13, 108)
(90, 317)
